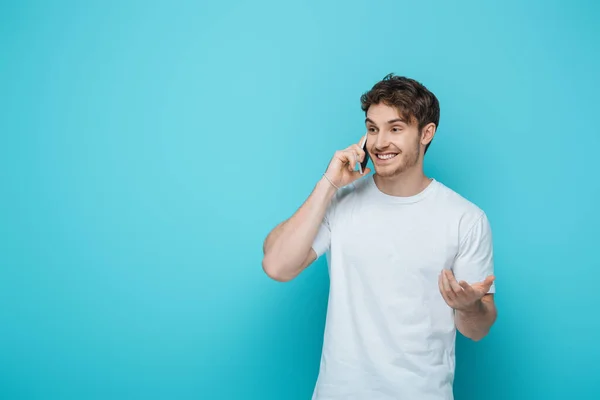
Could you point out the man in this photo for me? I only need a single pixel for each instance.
(410, 260)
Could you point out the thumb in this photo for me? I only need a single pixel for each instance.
(488, 281)
(483, 287)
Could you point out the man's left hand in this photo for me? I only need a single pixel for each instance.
(460, 295)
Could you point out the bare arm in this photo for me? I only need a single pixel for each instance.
(288, 247)
(475, 323)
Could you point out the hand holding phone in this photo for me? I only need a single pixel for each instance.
(362, 165)
(342, 169)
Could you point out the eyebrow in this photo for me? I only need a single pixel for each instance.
(391, 121)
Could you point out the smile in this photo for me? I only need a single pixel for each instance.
(386, 156)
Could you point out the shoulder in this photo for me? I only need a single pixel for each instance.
(354, 190)
(464, 211)
(349, 194)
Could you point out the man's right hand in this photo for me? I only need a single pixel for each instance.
(341, 169)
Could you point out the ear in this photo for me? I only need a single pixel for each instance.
(428, 133)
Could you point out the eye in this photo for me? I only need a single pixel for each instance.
(371, 129)
(396, 129)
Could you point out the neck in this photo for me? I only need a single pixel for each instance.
(408, 183)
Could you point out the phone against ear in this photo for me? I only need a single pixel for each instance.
(363, 164)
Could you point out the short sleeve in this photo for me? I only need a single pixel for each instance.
(322, 240)
(475, 259)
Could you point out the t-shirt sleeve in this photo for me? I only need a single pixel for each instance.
(323, 239)
(475, 258)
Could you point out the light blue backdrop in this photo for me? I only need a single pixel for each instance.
(147, 149)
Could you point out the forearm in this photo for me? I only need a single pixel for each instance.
(476, 322)
(288, 244)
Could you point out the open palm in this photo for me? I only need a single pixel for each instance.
(461, 295)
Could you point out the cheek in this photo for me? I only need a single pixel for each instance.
(409, 144)
(402, 144)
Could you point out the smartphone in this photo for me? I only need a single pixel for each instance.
(363, 164)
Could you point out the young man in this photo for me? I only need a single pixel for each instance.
(410, 260)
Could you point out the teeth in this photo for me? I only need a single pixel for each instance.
(385, 156)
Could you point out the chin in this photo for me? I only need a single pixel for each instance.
(400, 167)
(389, 170)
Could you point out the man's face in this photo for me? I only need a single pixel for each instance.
(393, 144)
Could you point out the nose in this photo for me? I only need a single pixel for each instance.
(382, 140)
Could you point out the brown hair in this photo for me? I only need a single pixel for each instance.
(412, 100)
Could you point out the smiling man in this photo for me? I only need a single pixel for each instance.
(410, 260)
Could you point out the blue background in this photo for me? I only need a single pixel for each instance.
(147, 148)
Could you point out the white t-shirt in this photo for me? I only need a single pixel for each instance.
(389, 334)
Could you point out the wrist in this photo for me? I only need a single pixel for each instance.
(324, 191)
(330, 181)
(328, 184)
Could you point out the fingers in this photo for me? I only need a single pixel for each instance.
(349, 157)
(468, 290)
(360, 153)
(352, 158)
(461, 295)
(443, 289)
(453, 284)
(446, 289)
(357, 174)
(362, 139)
(353, 155)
